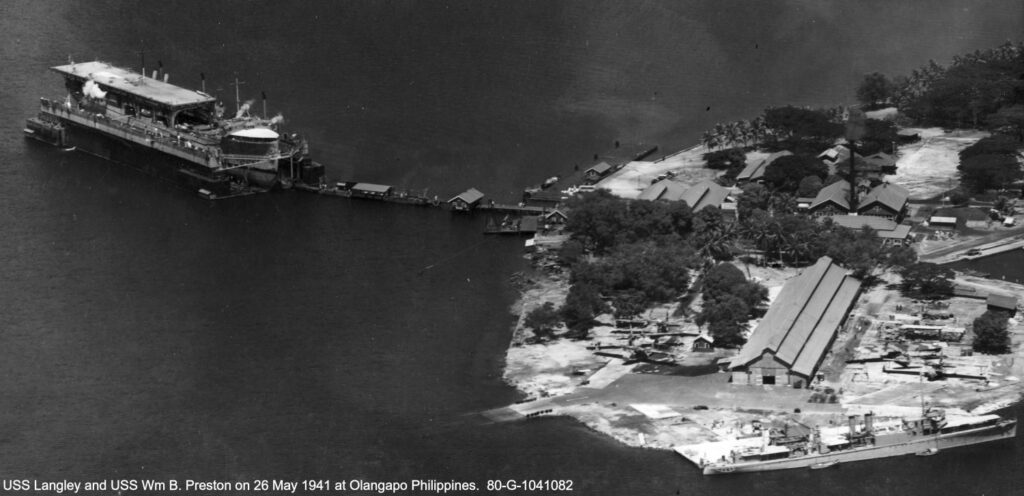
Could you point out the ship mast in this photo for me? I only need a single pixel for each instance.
(238, 100)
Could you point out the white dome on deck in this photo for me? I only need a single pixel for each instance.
(256, 132)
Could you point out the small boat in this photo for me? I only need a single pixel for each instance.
(928, 452)
(821, 465)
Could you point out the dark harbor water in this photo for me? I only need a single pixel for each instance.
(147, 334)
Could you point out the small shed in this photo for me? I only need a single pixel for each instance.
(1001, 302)
(704, 342)
(467, 200)
(942, 222)
(555, 216)
(598, 171)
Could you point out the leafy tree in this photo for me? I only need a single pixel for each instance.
(725, 279)
(981, 172)
(875, 90)
(730, 158)
(629, 303)
(543, 320)
(990, 333)
(570, 252)
(1009, 119)
(801, 123)
(727, 333)
(809, 186)
(785, 173)
(927, 280)
(582, 304)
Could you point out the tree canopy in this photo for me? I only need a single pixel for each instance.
(785, 173)
(927, 280)
(991, 162)
(990, 333)
(875, 90)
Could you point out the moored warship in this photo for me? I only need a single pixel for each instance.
(815, 448)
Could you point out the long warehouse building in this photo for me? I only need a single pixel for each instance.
(790, 342)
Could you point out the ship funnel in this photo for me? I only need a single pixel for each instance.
(853, 425)
(167, 76)
(869, 422)
(154, 74)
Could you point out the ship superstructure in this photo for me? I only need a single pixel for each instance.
(802, 447)
(171, 131)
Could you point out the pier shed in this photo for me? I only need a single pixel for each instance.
(595, 173)
(467, 200)
(369, 190)
(790, 342)
(1001, 302)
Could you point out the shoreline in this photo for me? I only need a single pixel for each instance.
(641, 406)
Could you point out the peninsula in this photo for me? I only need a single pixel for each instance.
(783, 289)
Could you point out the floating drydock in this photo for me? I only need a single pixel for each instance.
(171, 132)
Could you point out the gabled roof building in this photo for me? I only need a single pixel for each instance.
(790, 342)
(754, 171)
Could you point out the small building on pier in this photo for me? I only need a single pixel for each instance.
(373, 191)
(595, 173)
(467, 200)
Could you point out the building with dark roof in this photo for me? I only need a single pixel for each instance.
(754, 171)
(1001, 302)
(790, 342)
(885, 200)
(466, 200)
(699, 196)
(666, 190)
(596, 172)
(369, 190)
(833, 199)
(887, 230)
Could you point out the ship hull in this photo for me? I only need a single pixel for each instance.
(148, 160)
(980, 435)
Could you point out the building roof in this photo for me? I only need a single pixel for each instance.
(705, 337)
(546, 196)
(881, 159)
(901, 231)
(800, 324)
(372, 188)
(861, 221)
(1002, 301)
(116, 79)
(942, 220)
(705, 194)
(884, 228)
(600, 168)
(755, 170)
(470, 196)
(554, 213)
(666, 189)
(891, 196)
(837, 192)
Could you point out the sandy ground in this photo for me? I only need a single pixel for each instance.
(657, 409)
(928, 168)
(634, 177)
